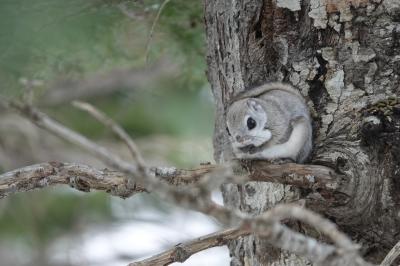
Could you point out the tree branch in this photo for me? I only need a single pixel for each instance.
(182, 252)
(117, 129)
(150, 37)
(315, 177)
(392, 255)
(78, 176)
(86, 178)
(45, 122)
(281, 236)
(281, 212)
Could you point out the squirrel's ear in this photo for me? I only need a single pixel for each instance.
(253, 105)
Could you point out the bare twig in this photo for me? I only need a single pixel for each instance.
(177, 176)
(323, 225)
(150, 38)
(117, 129)
(315, 177)
(86, 178)
(45, 122)
(182, 252)
(392, 255)
(78, 176)
(282, 237)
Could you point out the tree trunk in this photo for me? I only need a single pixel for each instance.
(344, 57)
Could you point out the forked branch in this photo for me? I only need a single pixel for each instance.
(117, 129)
(182, 252)
(45, 122)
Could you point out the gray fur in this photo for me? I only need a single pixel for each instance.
(278, 110)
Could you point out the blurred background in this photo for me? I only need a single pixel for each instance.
(143, 64)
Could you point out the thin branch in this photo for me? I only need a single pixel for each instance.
(45, 122)
(150, 38)
(281, 212)
(87, 178)
(267, 225)
(392, 255)
(315, 177)
(78, 176)
(117, 129)
(280, 236)
(175, 176)
(182, 252)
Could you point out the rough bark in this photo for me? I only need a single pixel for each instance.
(344, 57)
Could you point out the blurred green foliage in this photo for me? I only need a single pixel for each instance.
(168, 111)
(40, 217)
(51, 39)
(44, 39)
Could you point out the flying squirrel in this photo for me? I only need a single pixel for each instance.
(270, 122)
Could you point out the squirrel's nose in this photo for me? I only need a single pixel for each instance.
(239, 138)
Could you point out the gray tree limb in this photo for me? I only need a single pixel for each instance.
(182, 252)
(78, 176)
(117, 129)
(392, 255)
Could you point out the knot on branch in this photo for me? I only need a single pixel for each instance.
(126, 189)
(381, 122)
(166, 172)
(79, 184)
(370, 129)
(180, 254)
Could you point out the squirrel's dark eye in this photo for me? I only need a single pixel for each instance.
(251, 123)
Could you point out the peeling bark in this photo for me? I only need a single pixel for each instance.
(344, 57)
